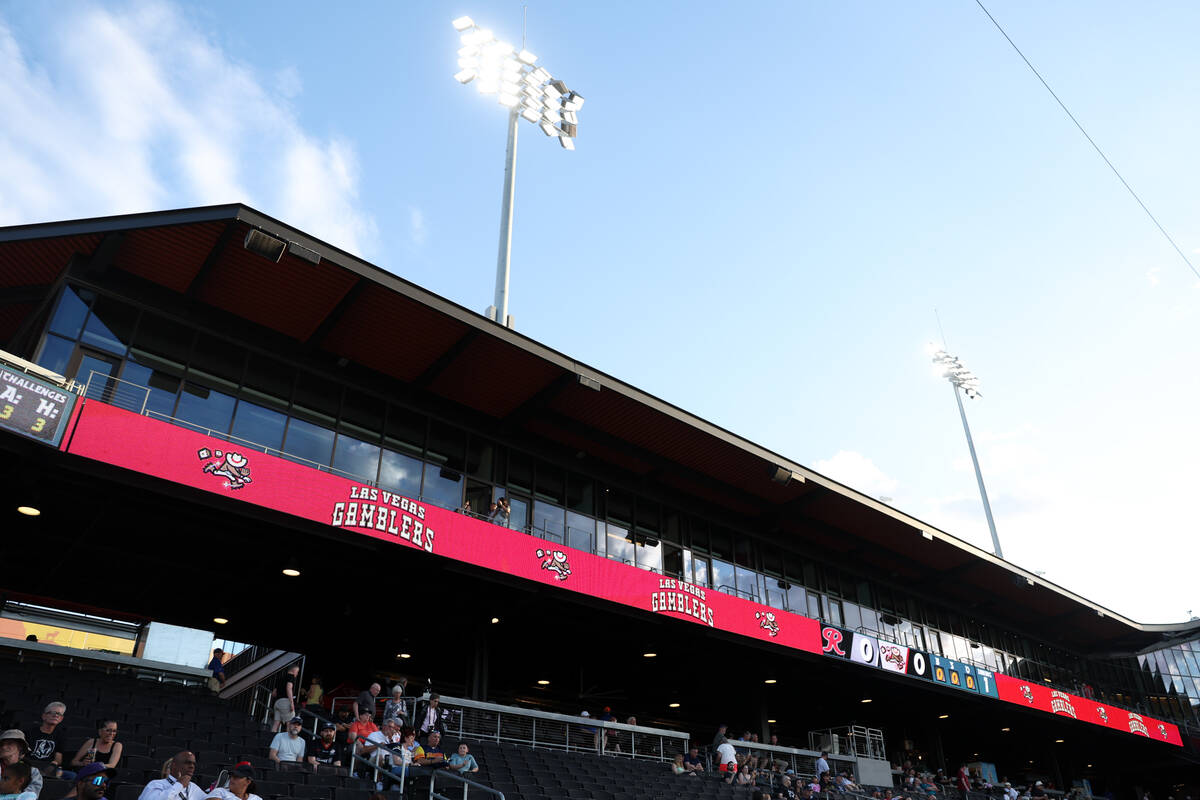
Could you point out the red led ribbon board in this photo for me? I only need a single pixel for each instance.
(149, 446)
(1045, 698)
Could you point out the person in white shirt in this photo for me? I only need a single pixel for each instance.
(241, 784)
(378, 746)
(822, 765)
(289, 746)
(1009, 792)
(177, 785)
(727, 760)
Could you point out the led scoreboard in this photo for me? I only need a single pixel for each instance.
(33, 408)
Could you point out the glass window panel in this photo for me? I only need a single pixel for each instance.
(672, 526)
(308, 441)
(581, 532)
(723, 579)
(721, 544)
(832, 610)
(648, 517)
(264, 426)
(69, 316)
(519, 518)
(520, 471)
(796, 600)
(649, 556)
(747, 582)
(443, 486)
(356, 457)
(405, 430)
(698, 534)
(551, 482)
(447, 445)
(743, 554)
(110, 326)
(619, 506)
(56, 354)
(870, 620)
(481, 455)
(317, 398)
(772, 593)
(700, 571)
(160, 376)
(850, 612)
(672, 563)
(401, 473)
(205, 407)
(581, 494)
(814, 605)
(269, 377)
(163, 337)
(218, 357)
(363, 412)
(772, 563)
(617, 544)
(918, 638)
(548, 520)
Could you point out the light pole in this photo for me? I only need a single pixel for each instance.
(962, 378)
(529, 93)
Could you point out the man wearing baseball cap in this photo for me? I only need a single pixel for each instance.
(324, 751)
(91, 782)
(13, 748)
(288, 747)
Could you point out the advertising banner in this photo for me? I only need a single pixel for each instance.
(152, 447)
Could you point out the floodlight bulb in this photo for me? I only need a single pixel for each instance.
(508, 100)
(465, 76)
(526, 57)
(531, 114)
(567, 142)
(462, 23)
(548, 128)
(575, 101)
(488, 86)
(541, 74)
(569, 116)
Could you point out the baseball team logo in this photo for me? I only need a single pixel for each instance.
(833, 641)
(1027, 693)
(1103, 712)
(1060, 703)
(1137, 724)
(891, 654)
(1162, 730)
(766, 621)
(555, 561)
(233, 467)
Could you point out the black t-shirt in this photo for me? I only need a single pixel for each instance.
(324, 754)
(281, 692)
(43, 746)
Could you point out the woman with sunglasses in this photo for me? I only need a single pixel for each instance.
(241, 784)
(104, 747)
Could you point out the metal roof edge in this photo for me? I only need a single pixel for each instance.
(110, 224)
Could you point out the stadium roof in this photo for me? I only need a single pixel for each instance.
(334, 304)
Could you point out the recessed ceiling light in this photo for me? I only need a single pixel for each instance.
(673, 705)
(543, 683)
(1058, 741)
(29, 511)
(1047, 680)
(1089, 766)
(865, 700)
(649, 655)
(220, 620)
(770, 722)
(495, 620)
(1006, 730)
(291, 572)
(403, 655)
(943, 716)
(769, 680)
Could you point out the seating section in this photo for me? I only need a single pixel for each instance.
(155, 721)
(526, 774)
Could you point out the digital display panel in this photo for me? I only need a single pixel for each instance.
(32, 407)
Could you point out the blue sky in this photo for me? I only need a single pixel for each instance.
(767, 203)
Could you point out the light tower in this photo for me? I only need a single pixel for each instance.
(961, 378)
(528, 92)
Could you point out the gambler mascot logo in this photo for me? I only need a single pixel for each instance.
(555, 561)
(233, 467)
(766, 621)
(1027, 693)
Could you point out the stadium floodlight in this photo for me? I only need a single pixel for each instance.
(961, 378)
(528, 92)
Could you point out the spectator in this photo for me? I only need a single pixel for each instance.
(394, 707)
(377, 747)
(822, 765)
(927, 786)
(1009, 792)
(92, 781)
(360, 730)
(678, 767)
(1038, 790)
(324, 751)
(432, 752)
(608, 738)
(964, 778)
(726, 759)
(693, 762)
(15, 783)
(286, 692)
(314, 695)
(431, 716)
(462, 761)
(288, 747)
(13, 750)
(465, 508)
(785, 788)
(103, 747)
(47, 742)
(845, 784)
(721, 729)
(366, 700)
(217, 665)
(403, 756)
(241, 784)
(177, 784)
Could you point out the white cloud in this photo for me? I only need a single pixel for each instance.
(417, 229)
(136, 109)
(858, 472)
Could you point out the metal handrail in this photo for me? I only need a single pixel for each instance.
(802, 762)
(591, 735)
(467, 783)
